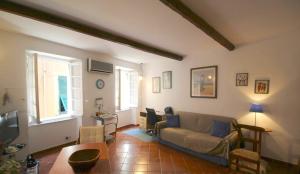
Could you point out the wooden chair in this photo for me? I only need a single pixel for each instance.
(91, 134)
(299, 165)
(249, 156)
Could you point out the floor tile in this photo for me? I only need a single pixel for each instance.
(129, 155)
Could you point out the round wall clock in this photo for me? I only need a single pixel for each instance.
(100, 84)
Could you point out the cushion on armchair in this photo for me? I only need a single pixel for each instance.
(220, 129)
(173, 121)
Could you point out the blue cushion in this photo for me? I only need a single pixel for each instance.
(220, 129)
(173, 121)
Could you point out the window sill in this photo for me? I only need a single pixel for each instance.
(123, 110)
(56, 120)
(127, 109)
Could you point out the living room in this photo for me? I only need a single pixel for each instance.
(257, 40)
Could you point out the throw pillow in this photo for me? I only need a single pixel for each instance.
(220, 129)
(173, 121)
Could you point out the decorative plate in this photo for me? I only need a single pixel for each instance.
(100, 84)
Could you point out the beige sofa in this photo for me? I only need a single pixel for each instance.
(194, 136)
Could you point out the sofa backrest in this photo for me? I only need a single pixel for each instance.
(201, 122)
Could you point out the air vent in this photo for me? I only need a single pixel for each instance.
(97, 66)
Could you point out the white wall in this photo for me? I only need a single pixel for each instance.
(49, 135)
(276, 59)
(13, 78)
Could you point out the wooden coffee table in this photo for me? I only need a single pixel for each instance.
(61, 164)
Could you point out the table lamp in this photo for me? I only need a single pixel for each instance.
(256, 108)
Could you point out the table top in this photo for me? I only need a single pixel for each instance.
(61, 164)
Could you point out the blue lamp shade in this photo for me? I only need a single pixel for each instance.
(256, 108)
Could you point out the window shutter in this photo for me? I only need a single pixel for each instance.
(133, 89)
(117, 89)
(76, 89)
(31, 93)
(125, 87)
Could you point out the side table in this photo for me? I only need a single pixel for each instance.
(109, 121)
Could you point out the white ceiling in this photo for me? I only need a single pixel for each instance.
(150, 21)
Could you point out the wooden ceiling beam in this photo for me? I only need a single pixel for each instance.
(189, 15)
(54, 19)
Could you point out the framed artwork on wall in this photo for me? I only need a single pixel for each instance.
(262, 86)
(241, 79)
(203, 82)
(167, 79)
(155, 84)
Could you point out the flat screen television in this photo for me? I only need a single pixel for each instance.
(9, 127)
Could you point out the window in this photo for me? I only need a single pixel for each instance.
(126, 87)
(63, 94)
(53, 87)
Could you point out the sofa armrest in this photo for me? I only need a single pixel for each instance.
(160, 125)
(232, 139)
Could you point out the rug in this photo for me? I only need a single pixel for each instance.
(140, 134)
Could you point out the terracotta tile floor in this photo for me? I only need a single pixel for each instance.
(130, 155)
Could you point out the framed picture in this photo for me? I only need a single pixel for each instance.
(155, 84)
(262, 86)
(167, 79)
(241, 79)
(203, 82)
